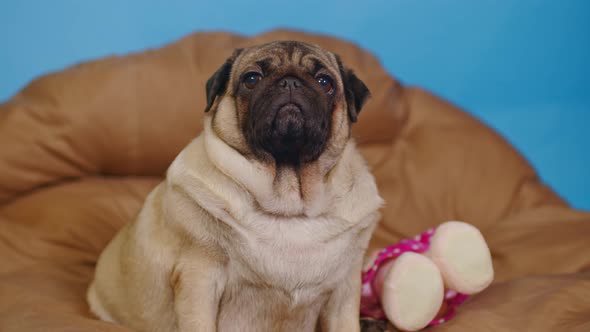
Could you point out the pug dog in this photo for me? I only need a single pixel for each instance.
(263, 219)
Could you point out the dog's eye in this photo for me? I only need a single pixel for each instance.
(251, 79)
(326, 84)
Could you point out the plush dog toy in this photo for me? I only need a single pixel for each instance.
(420, 281)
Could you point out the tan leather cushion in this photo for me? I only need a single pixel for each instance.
(80, 149)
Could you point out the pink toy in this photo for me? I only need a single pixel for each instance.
(421, 281)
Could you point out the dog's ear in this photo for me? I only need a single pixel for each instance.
(218, 82)
(355, 91)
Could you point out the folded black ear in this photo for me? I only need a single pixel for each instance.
(355, 91)
(218, 82)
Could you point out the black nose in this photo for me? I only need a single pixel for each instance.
(289, 83)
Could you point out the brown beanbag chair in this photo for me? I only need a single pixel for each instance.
(80, 150)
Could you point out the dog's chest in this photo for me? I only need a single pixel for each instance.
(257, 308)
(294, 254)
(287, 278)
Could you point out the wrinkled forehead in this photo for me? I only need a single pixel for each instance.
(286, 53)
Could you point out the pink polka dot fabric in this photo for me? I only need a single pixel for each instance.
(370, 305)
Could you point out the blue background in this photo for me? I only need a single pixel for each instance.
(522, 66)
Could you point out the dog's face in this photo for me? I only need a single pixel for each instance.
(290, 101)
